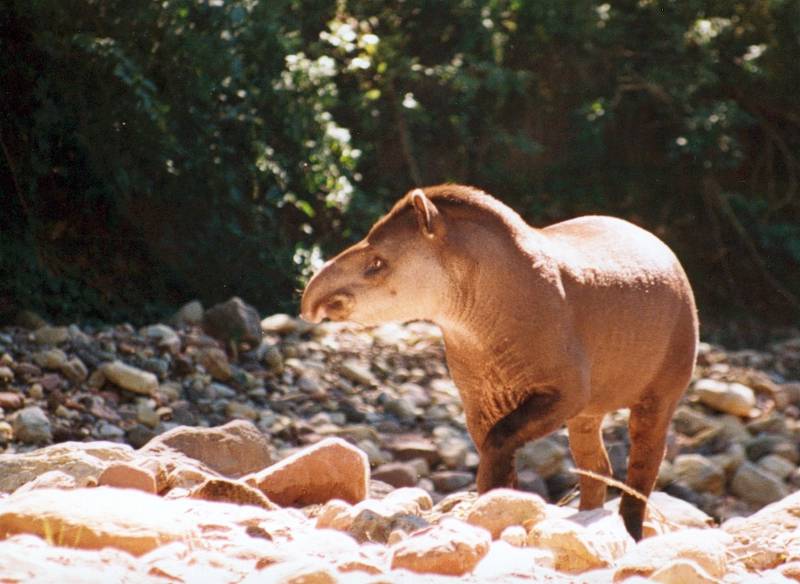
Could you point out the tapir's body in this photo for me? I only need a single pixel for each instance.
(541, 326)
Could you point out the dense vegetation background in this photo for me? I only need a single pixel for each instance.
(154, 152)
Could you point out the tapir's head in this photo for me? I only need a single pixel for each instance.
(397, 273)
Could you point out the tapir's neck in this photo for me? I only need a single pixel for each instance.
(495, 282)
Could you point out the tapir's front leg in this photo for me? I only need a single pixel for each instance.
(542, 412)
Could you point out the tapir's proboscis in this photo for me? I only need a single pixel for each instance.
(541, 327)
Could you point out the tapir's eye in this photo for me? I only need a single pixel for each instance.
(375, 266)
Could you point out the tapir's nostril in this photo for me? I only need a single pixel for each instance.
(338, 306)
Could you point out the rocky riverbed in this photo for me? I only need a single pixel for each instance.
(345, 456)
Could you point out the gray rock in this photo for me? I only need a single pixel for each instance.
(75, 370)
(764, 444)
(190, 313)
(31, 426)
(357, 372)
(699, 473)
(777, 465)
(51, 359)
(447, 481)
(757, 486)
(110, 432)
(397, 474)
(545, 457)
(165, 337)
(453, 452)
(51, 335)
(689, 421)
(233, 320)
(730, 398)
(130, 378)
(530, 482)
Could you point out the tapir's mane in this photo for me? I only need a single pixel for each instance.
(456, 202)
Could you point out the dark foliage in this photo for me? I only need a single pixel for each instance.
(157, 152)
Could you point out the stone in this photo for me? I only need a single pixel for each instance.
(108, 431)
(397, 474)
(50, 359)
(238, 410)
(454, 453)
(447, 481)
(230, 491)
(764, 444)
(190, 313)
(295, 571)
(124, 475)
(776, 465)
(408, 447)
(233, 450)
(130, 378)
(729, 398)
(6, 375)
(507, 563)
(10, 400)
(6, 432)
(706, 547)
(358, 373)
(755, 485)
(32, 426)
(146, 414)
(215, 361)
(690, 422)
(683, 572)
(52, 479)
(331, 468)
(544, 456)
(584, 541)
(699, 473)
(451, 548)
(502, 508)
(84, 461)
(233, 321)
(51, 335)
(375, 521)
(665, 513)
(760, 539)
(75, 370)
(530, 482)
(125, 519)
(30, 320)
(282, 324)
(164, 336)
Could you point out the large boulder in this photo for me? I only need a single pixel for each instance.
(233, 320)
(83, 461)
(96, 518)
(451, 547)
(234, 450)
(330, 469)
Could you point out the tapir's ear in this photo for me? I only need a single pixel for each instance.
(428, 218)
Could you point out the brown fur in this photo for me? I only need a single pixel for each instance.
(541, 326)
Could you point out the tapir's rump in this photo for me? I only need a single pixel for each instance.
(541, 326)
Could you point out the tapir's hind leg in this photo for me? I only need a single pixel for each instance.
(586, 445)
(648, 425)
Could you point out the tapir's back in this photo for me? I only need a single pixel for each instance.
(630, 300)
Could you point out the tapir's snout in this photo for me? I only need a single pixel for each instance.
(323, 298)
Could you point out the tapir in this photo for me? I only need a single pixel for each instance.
(541, 326)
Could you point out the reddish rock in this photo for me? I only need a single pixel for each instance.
(331, 469)
(452, 548)
(10, 400)
(128, 476)
(233, 450)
